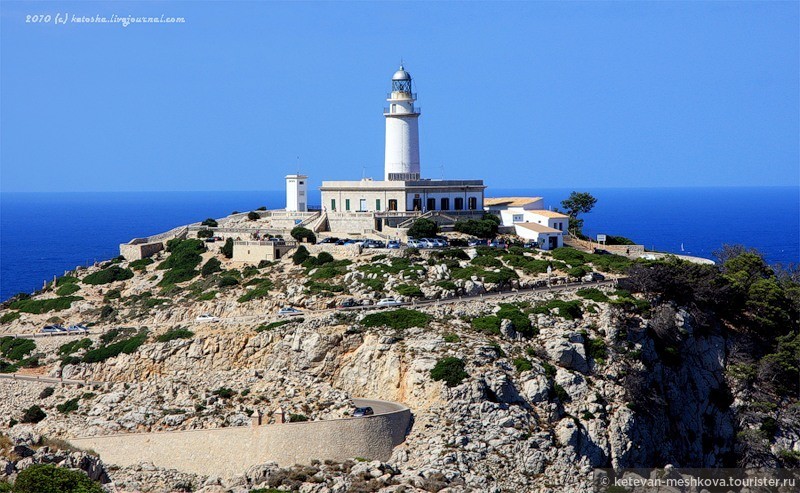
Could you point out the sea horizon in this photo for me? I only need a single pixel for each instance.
(43, 234)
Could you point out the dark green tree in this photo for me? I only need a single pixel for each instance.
(227, 248)
(47, 478)
(578, 203)
(211, 266)
(423, 228)
(253, 216)
(210, 222)
(300, 255)
(300, 233)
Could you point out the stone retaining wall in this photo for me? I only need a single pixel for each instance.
(230, 451)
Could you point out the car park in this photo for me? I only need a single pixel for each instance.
(388, 302)
(206, 318)
(332, 239)
(393, 244)
(414, 244)
(53, 329)
(289, 311)
(360, 412)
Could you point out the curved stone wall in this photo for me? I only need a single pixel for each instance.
(229, 451)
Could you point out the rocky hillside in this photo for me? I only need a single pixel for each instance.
(694, 366)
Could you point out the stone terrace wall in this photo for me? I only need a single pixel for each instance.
(229, 451)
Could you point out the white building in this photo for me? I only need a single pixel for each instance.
(530, 220)
(403, 193)
(512, 209)
(296, 193)
(545, 237)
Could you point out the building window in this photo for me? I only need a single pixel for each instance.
(301, 193)
(459, 203)
(378, 204)
(347, 204)
(392, 204)
(473, 203)
(431, 204)
(517, 218)
(445, 204)
(394, 108)
(302, 182)
(333, 204)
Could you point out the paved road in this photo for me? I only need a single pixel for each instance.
(380, 407)
(36, 378)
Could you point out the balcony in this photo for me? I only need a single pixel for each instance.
(415, 111)
(401, 95)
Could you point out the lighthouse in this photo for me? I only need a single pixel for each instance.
(402, 130)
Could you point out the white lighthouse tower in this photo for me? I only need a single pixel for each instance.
(402, 130)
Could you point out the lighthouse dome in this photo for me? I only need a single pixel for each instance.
(401, 74)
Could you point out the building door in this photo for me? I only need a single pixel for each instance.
(445, 204)
(431, 204)
(392, 204)
(473, 203)
(417, 204)
(459, 203)
(362, 205)
(553, 240)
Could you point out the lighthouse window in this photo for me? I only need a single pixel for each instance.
(394, 108)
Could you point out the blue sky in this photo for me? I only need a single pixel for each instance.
(523, 95)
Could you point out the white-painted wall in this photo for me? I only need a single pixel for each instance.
(402, 144)
(296, 193)
(451, 195)
(541, 239)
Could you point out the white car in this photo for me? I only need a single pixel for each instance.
(413, 244)
(78, 328)
(388, 302)
(206, 318)
(289, 311)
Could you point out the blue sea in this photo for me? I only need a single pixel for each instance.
(44, 234)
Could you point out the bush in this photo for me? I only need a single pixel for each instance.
(273, 325)
(33, 414)
(9, 317)
(576, 272)
(68, 406)
(73, 346)
(569, 310)
(105, 276)
(205, 233)
(324, 258)
(300, 255)
(46, 392)
(484, 228)
(211, 266)
(47, 478)
(408, 290)
(487, 325)
(224, 393)
(423, 228)
(486, 261)
(451, 338)
(227, 248)
(402, 318)
(126, 346)
(225, 281)
(61, 281)
(16, 349)
(210, 222)
(44, 306)
(260, 291)
(618, 240)
(522, 364)
(297, 418)
(253, 216)
(450, 370)
(176, 333)
(67, 289)
(522, 323)
(593, 294)
(300, 233)
(140, 264)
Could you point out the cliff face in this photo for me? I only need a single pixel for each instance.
(541, 388)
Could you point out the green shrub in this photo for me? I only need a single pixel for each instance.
(210, 222)
(485, 261)
(126, 346)
(618, 240)
(249, 271)
(593, 294)
(522, 364)
(210, 295)
(260, 291)
(321, 287)
(44, 306)
(423, 228)
(227, 248)
(559, 392)
(328, 271)
(67, 407)
(450, 370)
(33, 414)
(408, 290)
(569, 310)
(300, 233)
(448, 285)
(111, 274)
(522, 323)
(253, 216)
(9, 317)
(112, 294)
(73, 346)
(6, 367)
(47, 478)
(484, 228)
(224, 393)
(451, 338)
(577, 272)
(61, 281)
(205, 233)
(16, 349)
(211, 266)
(176, 333)
(273, 325)
(297, 418)
(46, 392)
(402, 318)
(225, 281)
(300, 255)
(68, 289)
(595, 348)
(325, 257)
(488, 325)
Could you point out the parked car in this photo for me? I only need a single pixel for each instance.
(53, 329)
(360, 412)
(348, 303)
(593, 276)
(427, 243)
(497, 244)
(341, 242)
(78, 328)
(210, 240)
(475, 242)
(393, 244)
(414, 244)
(374, 244)
(332, 239)
(289, 311)
(439, 242)
(206, 318)
(529, 244)
(388, 302)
